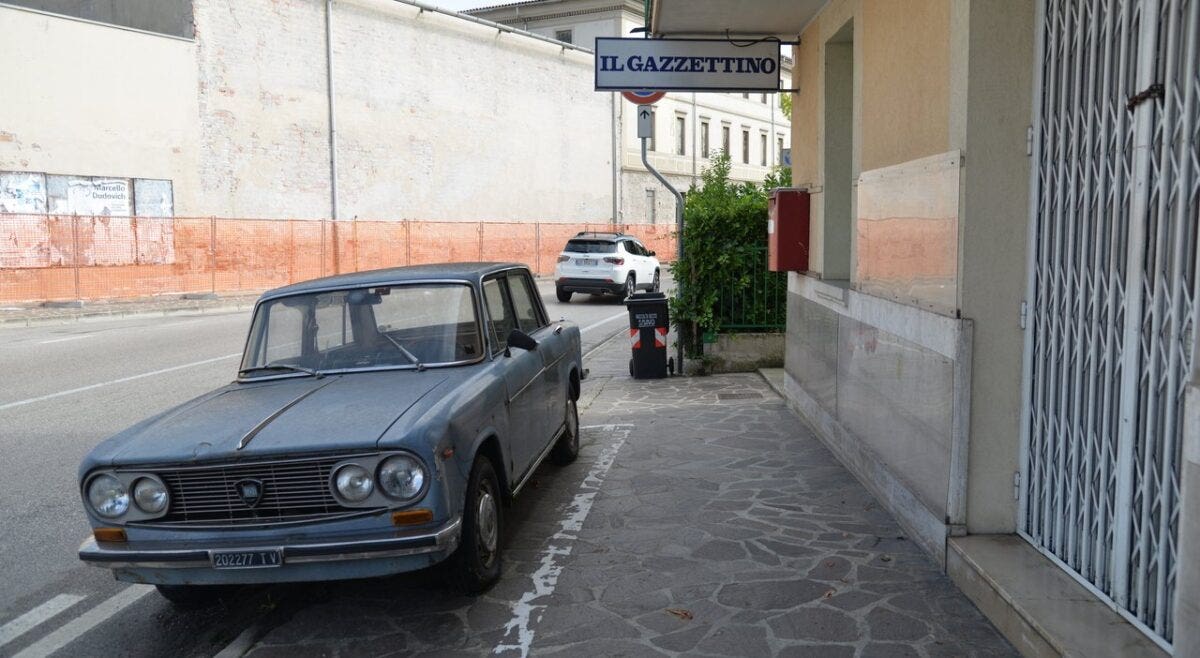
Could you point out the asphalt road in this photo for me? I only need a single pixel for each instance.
(65, 389)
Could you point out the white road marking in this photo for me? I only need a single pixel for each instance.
(63, 340)
(602, 322)
(110, 382)
(28, 621)
(73, 629)
(545, 578)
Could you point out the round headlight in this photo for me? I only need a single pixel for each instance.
(108, 496)
(354, 483)
(401, 476)
(150, 495)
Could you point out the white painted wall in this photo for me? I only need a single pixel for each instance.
(85, 99)
(438, 118)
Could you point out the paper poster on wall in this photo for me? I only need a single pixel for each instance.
(99, 196)
(22, 192)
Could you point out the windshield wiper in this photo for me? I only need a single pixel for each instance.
(307, 371)
(408, 355)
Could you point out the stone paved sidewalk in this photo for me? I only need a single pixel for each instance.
(722, 528)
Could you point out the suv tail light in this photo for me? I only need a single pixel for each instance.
(614, 260)
(564, 258)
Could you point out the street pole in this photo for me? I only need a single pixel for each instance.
(679, 243)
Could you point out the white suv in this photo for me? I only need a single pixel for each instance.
(605, 263)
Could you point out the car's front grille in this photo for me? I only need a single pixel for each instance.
(291, 491)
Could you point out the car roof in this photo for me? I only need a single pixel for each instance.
(600, 236)
(465, 272)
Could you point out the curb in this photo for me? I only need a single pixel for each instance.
(103, 314)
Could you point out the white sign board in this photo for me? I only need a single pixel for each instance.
(645, 121)
(686, 65)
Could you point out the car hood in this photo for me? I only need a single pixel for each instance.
(284, 416)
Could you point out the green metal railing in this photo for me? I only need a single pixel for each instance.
(754, 301)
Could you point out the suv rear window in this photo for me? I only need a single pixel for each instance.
(591, 247)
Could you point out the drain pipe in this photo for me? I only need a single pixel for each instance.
(333, 164)
(679, 230)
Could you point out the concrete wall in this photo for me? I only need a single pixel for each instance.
(437, 118)
(941, 98)
(90, 100)
(994, 219)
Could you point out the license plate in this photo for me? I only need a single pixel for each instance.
(585, 261)
(247, 559)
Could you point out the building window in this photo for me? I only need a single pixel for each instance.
(650, 205)
(725, 140)
(680, 135)
(762, 143)
(779, 148)
(704, 139)
(764, 99)
(745, 146)
(565, 36)
(746, 94)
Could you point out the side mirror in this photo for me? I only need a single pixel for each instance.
(518, 338)
(651, 252)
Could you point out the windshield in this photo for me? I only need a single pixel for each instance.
(591, 247)
(402, 326)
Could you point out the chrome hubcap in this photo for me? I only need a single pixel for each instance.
(487, 528)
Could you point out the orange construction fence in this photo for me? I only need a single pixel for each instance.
(68, 257)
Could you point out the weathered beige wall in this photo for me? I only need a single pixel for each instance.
(805, 118)
(80, 98)
(902, 87)
(905, 80)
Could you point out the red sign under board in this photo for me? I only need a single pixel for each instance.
(643, 97)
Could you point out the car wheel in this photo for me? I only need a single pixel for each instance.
(655, 284)
(478, 555)
(564, 296)
(567, 448)
(195, 597)
(630, 286)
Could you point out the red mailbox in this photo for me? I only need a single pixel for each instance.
(787, 230)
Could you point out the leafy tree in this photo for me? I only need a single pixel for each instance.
(785, 104)
(725, 231)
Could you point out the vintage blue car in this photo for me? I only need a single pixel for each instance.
(378, 423)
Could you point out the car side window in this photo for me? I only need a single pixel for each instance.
(285, 326)
(500, 318)
(523, 302)
(634, 248)
(333, 323)
(642, 250)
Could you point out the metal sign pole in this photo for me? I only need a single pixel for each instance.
(644, 129)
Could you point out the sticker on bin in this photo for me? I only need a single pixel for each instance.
(660, 337)
(646, 319)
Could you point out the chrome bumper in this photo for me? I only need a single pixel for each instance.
(122, 556)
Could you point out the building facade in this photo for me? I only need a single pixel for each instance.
(996, 330)
(688, 127)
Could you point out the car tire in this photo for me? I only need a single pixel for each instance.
(195, 597)
(477, 560)
(564, 296)
(655, 284)
(630, 286)
(567, 448)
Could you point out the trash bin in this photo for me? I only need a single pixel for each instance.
(648, 326)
